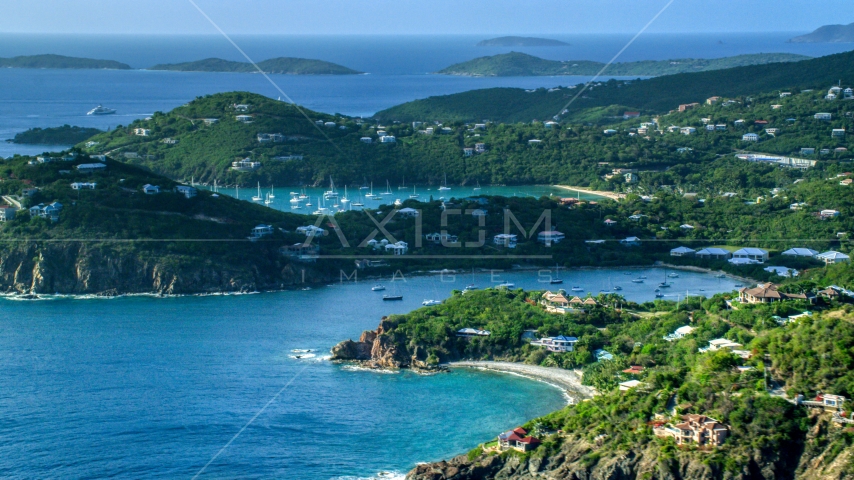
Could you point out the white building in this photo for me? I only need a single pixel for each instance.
(186, 190)
(556, 344)
(398, 248)
(388, 139)
(507, 240)
(550, 237)
(243, 118)
(83, 186)
(750, 137)
(756, 254)
(832, 257)
(713, 254)
(149, 189)
(408, 212)
(142, 132)
(682, 252)
(311, 231)
(800, 252)
(822, 116)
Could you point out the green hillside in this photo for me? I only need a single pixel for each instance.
(515, 64)
(655, 95)
(64, 135)
(281, 65)
(60, 61)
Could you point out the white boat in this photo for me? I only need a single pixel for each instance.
(637, 280)
(268, 200)
(431, 303)
(100, 110)
(413, 194)
(345, 199)
(398, 203)
(371, 193)
(377, 288)
(444, 186)
(617, 288)
(331, 193)
(577, 289)
(402, 185)
(295, 200)
(477, 187)
(258, 198)
(387, 189)
(302, 195)
(272, 194)
(674, 275)
(506, 285)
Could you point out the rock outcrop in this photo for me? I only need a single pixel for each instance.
(83, 268)
(378, 349)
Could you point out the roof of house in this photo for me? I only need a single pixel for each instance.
(630, 383)
(750, 251)
(685, 330)
(682, 250)
(713, 251)
(800, 252)
(832, 255)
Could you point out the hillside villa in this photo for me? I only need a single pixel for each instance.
(560, 343)
(696, 429)
(517, 439)
(767, 293)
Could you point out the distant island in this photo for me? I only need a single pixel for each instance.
(61, 61)
(515, 64)
(281, 65)
(828, 34)
(521, 42)
(64, 135)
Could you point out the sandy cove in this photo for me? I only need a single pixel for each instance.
(599, 193)
(567, 380)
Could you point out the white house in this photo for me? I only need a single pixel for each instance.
(366, 140)
(687, 130)
(713, 254)
(682, 252)
(550, 237)
(186, 190)
(388, 139)
(245, 165)
(149, 189)
(832, 257)
(750, 137)
(837, 132)
(260, 231)
(630, 241)
(829, 213)
(479, 147)
(800, 252)
(398, 248)
(142, 132)
(756, 254)
(311, 231)
(210, 121)
(822, 116)
(83, 186)
(556, 344)
(507, 240)
(243, 118)
(609, 131)
(679, 333)
(408, 212)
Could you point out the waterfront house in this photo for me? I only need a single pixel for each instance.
(90, 167)
(682, 252)
(832, 257)
(756, 254)
(186, 190)
(549, 237)
(507, 240)
(713, 254)
(517, 439)
(695, 429)
(243, 118)
(149, 189)
(800, 252)
(557, 344)
(83, 186)
(750, 137)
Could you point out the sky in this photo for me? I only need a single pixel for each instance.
(418, 17)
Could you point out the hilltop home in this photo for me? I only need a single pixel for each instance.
(832, 257)
(822, 116)
(439, 238)
(90, 167)
(245, 165)
(149, 189)
(556, 344)
(507, 240)
(767, 293)
(388, 139)
(142, 132)
(187, 191)
(260, 231)
(472, 332)
(311, 231)
(750, 137)
(682, 252)
(679, 333)
(756, 254)
(697, 429)
(243, 118)
(800, 252)
(837, 133)
(713, 254)
(83, 186)
(7, 213)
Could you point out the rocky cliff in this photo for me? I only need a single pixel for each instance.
(826, 456)
(378, 349)
(84, 268)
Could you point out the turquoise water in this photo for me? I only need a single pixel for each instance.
(140, 387)
(283, 195)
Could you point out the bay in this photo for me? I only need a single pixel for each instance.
(153, 388)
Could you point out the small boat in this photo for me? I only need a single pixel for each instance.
(506, 285)
(431, 303)
(331, 193)
(642, 277)
(444, 186)
(674, 275)
(268, 200)
(377, 288)
(618, 288)
(737, 285)
(398, 202)
(389, 298)
(371, 194)
(720, 275)
(387, 189)
(258, 198)
(637, 280)
(577, 289)
(471, 287)
(555, 281)
(345, 199)
(664, 285)
(477, 188)
(272, 194)
(658, 295)
(402, 185)
(100, 110)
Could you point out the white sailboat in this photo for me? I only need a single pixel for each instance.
(444, 186)
(387, 188)
(258, 198)
(358, 203)
(414, 194)
(402, 185)
(272, 195)
(345, 199)
(371, 194)
(268, 200)
(302, 195)
(331, 193)
(477, 187)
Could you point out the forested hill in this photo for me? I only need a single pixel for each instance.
(828, 34)
(656, 95)
(521, 64)
(280, 65)
(60, 61)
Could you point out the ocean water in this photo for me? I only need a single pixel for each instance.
(138, 387)
(398, 71)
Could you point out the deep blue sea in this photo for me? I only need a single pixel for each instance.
(398, 71)
(140, 387)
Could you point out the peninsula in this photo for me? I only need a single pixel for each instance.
(512, 41)
(280, 65)
(61, 61)
(828, 34)
(515, 64)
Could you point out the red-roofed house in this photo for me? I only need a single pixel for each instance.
(634, 370)
(517, 439)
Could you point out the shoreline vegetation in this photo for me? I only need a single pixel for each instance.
(64, 135)
(280, 65)
(567, 380)
(515, 41)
